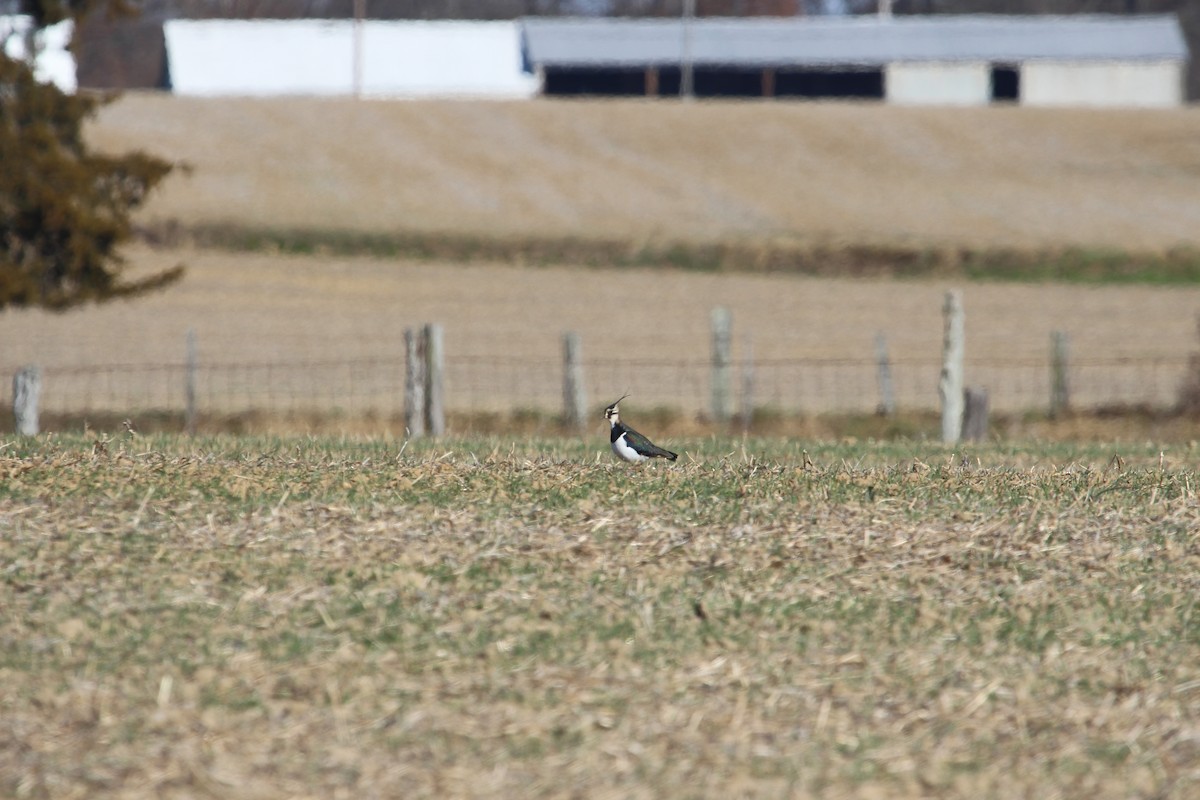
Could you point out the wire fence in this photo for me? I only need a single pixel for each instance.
(489, 384)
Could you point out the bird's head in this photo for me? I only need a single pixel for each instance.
(611, 413)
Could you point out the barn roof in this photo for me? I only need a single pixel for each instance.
(861, 41)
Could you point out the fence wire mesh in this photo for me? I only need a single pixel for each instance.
(490, 384)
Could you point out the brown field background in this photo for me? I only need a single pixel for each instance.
(642, 172)
(837, 172)
(262, 309)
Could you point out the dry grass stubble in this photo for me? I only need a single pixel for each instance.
(318, 619)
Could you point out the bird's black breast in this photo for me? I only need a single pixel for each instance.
(617, 430)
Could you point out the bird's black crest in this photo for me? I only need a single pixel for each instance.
(616, 402)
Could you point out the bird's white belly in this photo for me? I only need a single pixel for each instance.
(626, 452)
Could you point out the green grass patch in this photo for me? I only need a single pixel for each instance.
(765, 616)
(1068, 264)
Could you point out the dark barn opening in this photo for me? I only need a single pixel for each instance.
(740, 82)
(664, 81)
(863, 83)
(669, 79)
(1006, 83)
(608, 82)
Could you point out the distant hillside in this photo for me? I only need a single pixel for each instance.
(645, 172)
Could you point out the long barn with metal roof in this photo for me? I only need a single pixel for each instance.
(956, 60)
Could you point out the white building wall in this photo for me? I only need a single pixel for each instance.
(1153, 84)
(316, 57)
(266, 57)
(938, 83)
(445, 58)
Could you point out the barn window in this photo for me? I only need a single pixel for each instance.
(1006, 83)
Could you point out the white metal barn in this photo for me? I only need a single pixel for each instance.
(339, 57)
(1092, 60)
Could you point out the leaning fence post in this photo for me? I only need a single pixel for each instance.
(189, 383)
(414, 384)
(574, 392)
(435, 360)
(887, 397)
(722, 351)
(27, 389)
(1060, 390)
(950, 386)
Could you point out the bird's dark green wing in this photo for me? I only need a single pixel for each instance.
(646, 447)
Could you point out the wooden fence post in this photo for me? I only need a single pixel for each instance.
(722, 351)
(975, 414)
(414, 383)
(574, 391)
(189, 383)
(747, 384)
(950, 386)
(27, 390)
(887, 397)
(1060, 389)
(435, 398)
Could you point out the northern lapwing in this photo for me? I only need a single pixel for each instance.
(628, 444)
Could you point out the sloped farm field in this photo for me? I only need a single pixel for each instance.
(366, 218)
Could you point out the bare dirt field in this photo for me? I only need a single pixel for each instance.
(635, 170)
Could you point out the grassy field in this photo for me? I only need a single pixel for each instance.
(267, 618)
